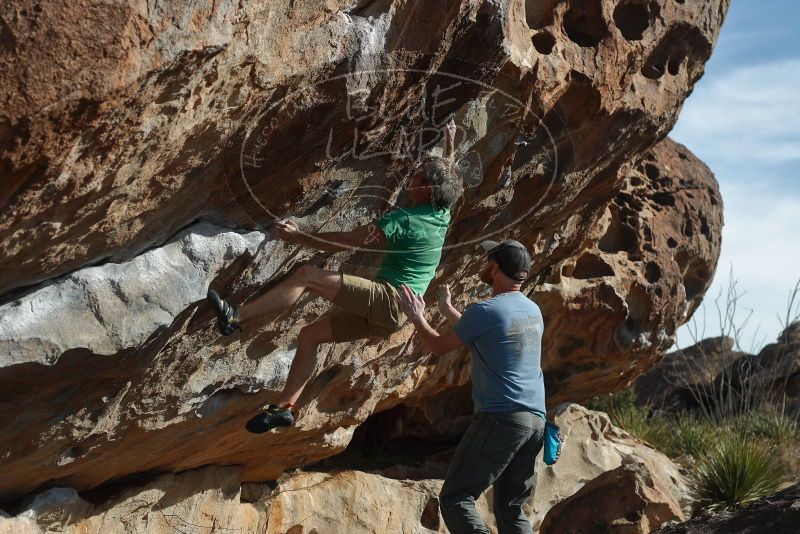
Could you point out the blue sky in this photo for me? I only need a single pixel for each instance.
(743, 120)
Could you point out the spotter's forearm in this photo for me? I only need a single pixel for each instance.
(450, 313)
(430, 337)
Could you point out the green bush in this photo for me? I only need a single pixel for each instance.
(768, 424)
(690, 436)
(735, 472)
(639, 421)
(612, 402)
(651, 428)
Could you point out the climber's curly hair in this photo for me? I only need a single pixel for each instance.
(440, 175)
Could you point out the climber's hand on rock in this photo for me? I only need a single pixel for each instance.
(450, 129)
(286, 230)
(412, 305)
(445, 301)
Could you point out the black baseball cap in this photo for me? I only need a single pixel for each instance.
(512, 257)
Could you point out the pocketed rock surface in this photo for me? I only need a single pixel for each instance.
(145, 148)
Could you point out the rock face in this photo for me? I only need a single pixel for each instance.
(777, 367)
(611, 309)
(403, 498)
(673, 380)
(713, 368)
(115, 307)
(143, 158)
(352, 501)
(192, 501)
(134, 128)
(630, 499)
(593, 447)
(775, 514)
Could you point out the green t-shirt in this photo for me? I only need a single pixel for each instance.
(414, 239)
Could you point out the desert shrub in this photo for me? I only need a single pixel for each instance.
(690, 436)
(621, 400)
(731, 381)
(639, 421)
(652, 428)
(736, 471)
(767, 423)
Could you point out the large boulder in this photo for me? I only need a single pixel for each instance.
(354, 502)
(631, 499)
(678, 380)
(713, 370)
(593, 447)
(145, 155)
(776, 370)
(117, 135)
(612, 308)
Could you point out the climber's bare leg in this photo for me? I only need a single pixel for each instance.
(305, 359)
(280, 298)
(280, 415)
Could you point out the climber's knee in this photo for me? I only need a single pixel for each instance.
(324, 283)
(314, 334)
(305, 274)
(306, 337)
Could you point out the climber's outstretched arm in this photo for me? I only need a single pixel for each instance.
(369, 236)
(414, 308)
(450, 141)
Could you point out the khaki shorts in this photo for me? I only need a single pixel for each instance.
(369, 309)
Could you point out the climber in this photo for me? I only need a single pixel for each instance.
(412, 238)
(500, 446)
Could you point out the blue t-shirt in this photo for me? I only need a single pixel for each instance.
(504, 334)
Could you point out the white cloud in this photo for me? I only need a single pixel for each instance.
(748, 115)
(745, 124)
(761, 242)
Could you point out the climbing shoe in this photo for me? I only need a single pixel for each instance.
(273, 416)
(226, 313)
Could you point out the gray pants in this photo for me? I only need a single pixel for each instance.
(498, 449)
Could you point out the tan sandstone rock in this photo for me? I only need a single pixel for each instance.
(594, 446)
(631, 499)
(612, 309)
(145, 148)
(398, 499)
(204, 500)
(354, 502)
(348, 501)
